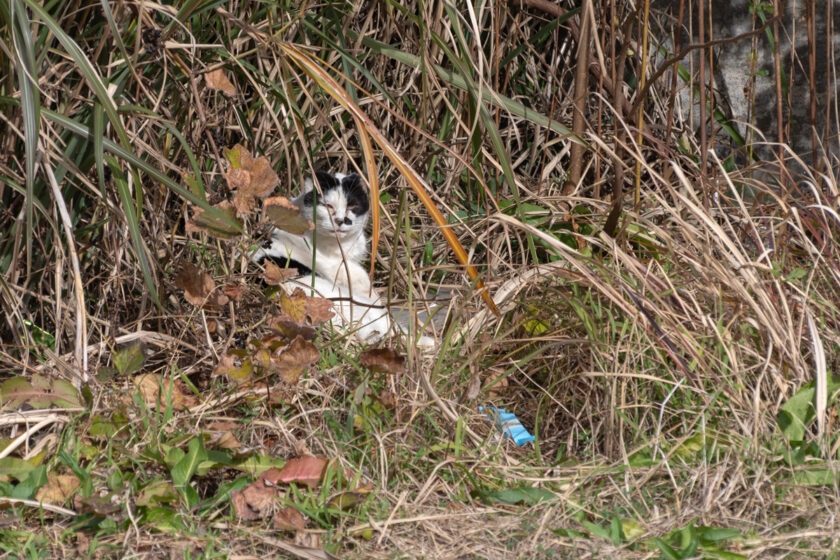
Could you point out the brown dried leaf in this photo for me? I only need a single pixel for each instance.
(306, 470)
(58, 488)
(298, 306)
(294, 306)
(199, 288)
(274, 275)
(289, 519)
(233, 291)
(388, 399)
(150, 384)
(238, 178)
(251, 177)
(255, 501)
(473, 387)
(318, 310)
(204, 222)
(263, 178)
(289, 329)
(293, 361)
(286, 216)
(383, 360)
(219, 81)
(238, 374)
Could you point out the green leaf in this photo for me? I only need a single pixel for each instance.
(816, 476)
(129, 359)
(184, 470)
(157, 492)
(15, 468)
(710, 535)
(36, 478)
(667, 551)
(597, 530)
(163, 519)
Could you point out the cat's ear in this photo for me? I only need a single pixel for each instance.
(308, 184)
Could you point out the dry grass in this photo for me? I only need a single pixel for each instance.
(663, 352)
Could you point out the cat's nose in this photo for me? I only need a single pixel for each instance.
(347, 221)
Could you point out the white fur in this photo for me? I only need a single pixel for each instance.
(339, 250)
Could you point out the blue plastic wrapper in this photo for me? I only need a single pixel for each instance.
(508, 424)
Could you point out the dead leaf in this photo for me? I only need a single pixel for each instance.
(238, 374)
(294, 306)
(251, 177)
(219, 81)
(199, 288)
(294, 359)
(473, 387)
(289, 519)
(318, 310)
(205, 222)
(101, 506)
(150, 384)
(222, 437)
(274, 275)
(290, 329)
(58, 488)
(255, 501)
(383, 360)
(233, 291)
(286, 216)
(306, 470)
(388, 399)
(298, 306)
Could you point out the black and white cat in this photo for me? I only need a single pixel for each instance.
(329, 258)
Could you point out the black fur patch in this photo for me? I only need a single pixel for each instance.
(327, 183)
(357, 197)
(283, 262)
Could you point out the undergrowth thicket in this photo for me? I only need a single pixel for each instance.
(658, 306)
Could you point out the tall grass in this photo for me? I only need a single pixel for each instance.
(675, 354)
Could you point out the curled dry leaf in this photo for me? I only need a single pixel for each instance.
(238, 374)
(383, 360)
(255, 501)
(58, 488)
(289, 519)
(233, 291)
(219, 81)
(307, 470)
(222, 437)
(150, 385)
(294, 359)
(286, 216)
(290, 329)
(318, 310)
(199, 288)
(251, 177)
(298, 306)
(274, 275)
(205, 222)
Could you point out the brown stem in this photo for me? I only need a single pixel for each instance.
(581, 87)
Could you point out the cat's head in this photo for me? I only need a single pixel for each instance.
(341, 208)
